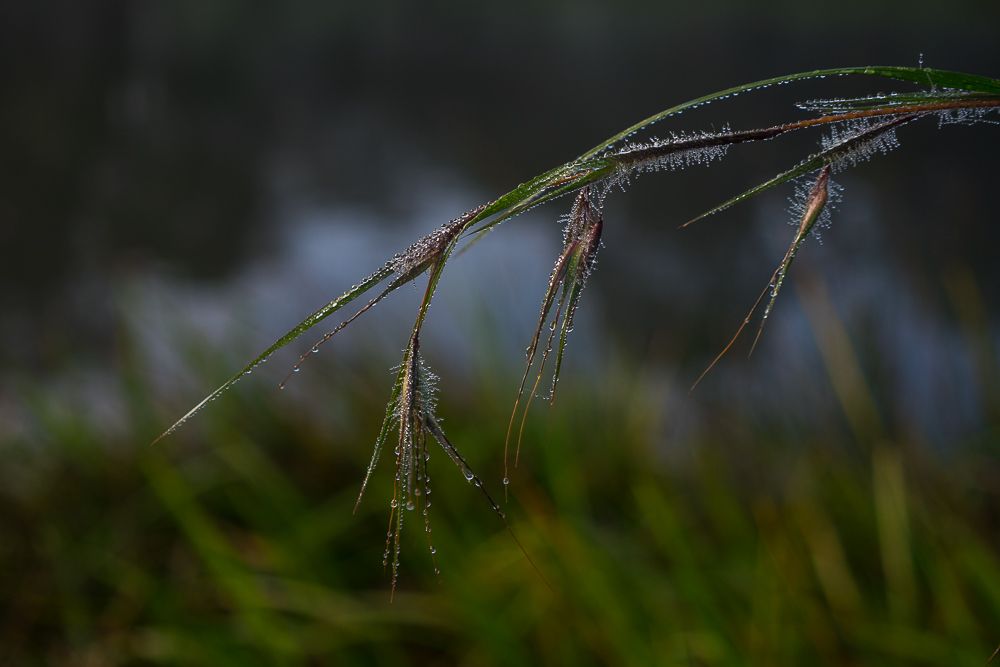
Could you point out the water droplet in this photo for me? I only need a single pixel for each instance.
(410, 505)
(433, 550)
(392, 503)
(468, 474)
(428, 503)
(315, 350)
(437, 571)
(296, 370)
(506, 481)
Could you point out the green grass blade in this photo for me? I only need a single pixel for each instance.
(573, 177)
(303, 326)
(930, 77)
(515, 202)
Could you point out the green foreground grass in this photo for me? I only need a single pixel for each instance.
(233, 542)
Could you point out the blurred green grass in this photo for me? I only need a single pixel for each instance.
(233, 542)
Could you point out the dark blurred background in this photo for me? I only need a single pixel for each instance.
(190, 140)
(180, 183)
(143, 136)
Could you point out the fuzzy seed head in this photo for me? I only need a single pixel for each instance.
(679, 151)
(425, 251)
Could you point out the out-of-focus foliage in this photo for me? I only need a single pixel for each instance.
(234, 542)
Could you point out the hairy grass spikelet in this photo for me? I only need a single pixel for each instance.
(581, 241)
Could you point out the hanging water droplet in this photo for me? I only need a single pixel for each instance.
(392, 503)
(410, 505)
(468, 474)
(506, 481)
(428, 503)
(433, 550)
(315, 350)
(296, 369)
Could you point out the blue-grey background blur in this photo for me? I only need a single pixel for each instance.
(181, 183)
